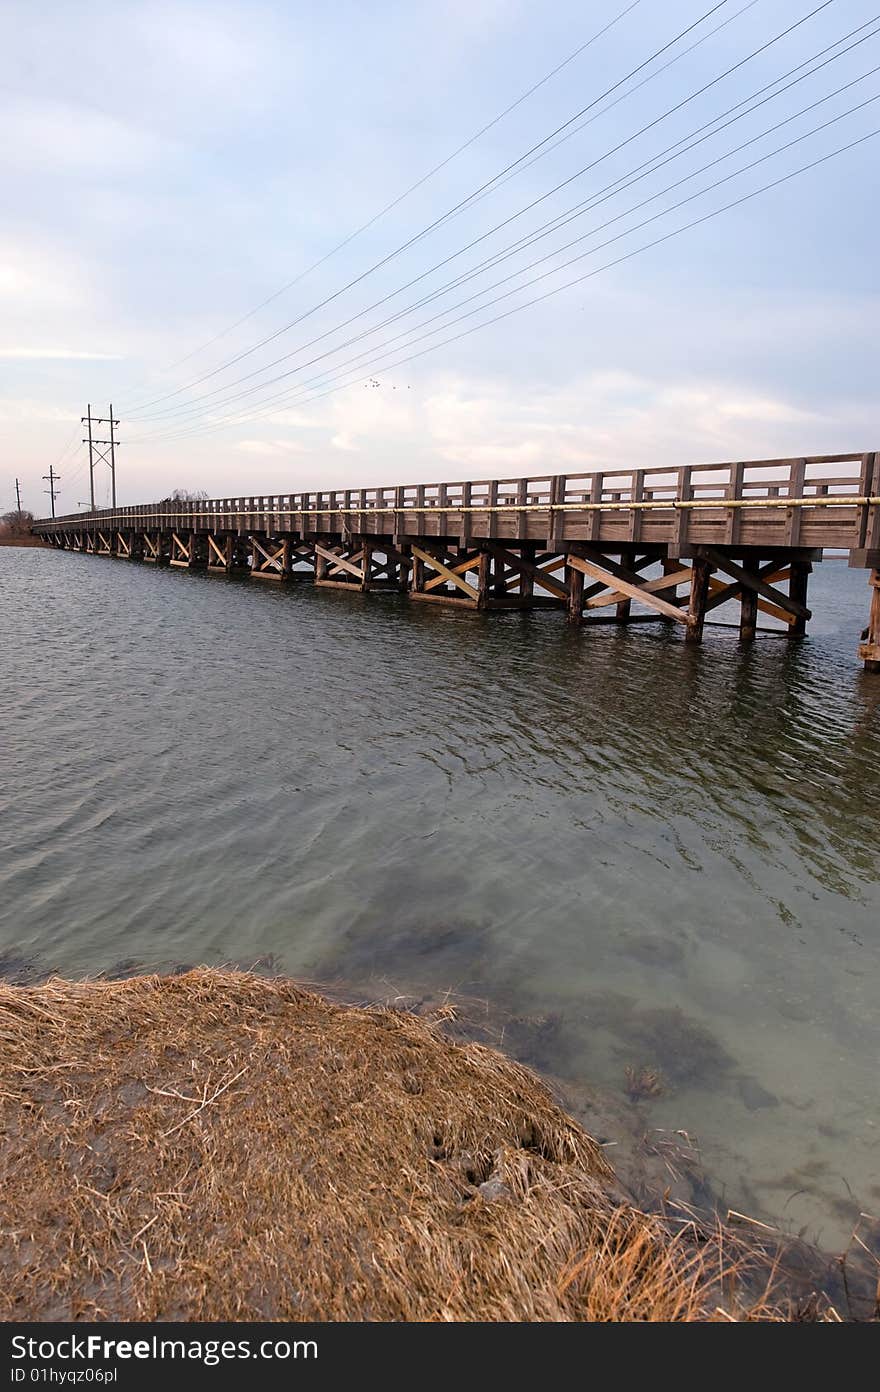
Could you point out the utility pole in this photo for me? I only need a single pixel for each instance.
(51, 478)
(104, 450)
(18, 500)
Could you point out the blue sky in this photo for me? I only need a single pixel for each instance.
(168, 166)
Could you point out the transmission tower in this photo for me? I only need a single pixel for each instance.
(101, 451)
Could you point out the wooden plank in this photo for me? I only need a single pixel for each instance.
(794, 515)
(734, 516)
(427, 559)
(461, 567)
(535, 573)
(212, 546)
(729, 567)
(597, 572)
(663, 582)
(336, 563)
(734, 591)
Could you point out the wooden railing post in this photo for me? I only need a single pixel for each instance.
(685, 492)
(797, 475)
(734, 493)
(466, 528)
(635, 518)
(596, 486)
(557, 515)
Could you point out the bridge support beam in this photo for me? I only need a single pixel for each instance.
(345, 565)
(184, 550)
(617, 582)
(270, 560)
(220, 553)
(701, 573)
(869, 649)
(748, 605)
(797, 591)
(444, 576)
(754, 584)
(155, 548)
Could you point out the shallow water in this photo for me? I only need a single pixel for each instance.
(670, 853)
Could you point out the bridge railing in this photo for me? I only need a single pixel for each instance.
(826, 480)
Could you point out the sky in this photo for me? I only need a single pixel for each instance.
(166, 168)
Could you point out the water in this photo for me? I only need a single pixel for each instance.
(670, 854)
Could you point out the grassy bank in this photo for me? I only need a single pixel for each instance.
(217, 1145)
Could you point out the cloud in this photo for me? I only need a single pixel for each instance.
(68, 139)
(270, 447)
(55, 354)
(24, 409)
(293, 418)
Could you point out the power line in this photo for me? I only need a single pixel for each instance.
(647, 168)
(362, 375)
(776, 183)
(413, 187)
(437, 222)
(575, 130)
(535, 202)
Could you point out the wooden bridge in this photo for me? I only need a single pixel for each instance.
(710, 533)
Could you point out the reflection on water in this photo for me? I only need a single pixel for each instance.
(669, 855)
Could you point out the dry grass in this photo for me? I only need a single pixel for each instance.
(220, 1146)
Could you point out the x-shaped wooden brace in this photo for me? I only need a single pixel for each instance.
(340, 564)
(773, 602)
(272, 562)
(448, 574)
(625, 583)
(517, 567)
(181, 551)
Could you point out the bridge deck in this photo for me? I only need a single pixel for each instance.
(495, 542)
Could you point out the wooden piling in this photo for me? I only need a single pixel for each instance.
(869, 649)
(696, 615)
(748, 605)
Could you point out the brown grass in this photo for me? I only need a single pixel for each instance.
(221, 1146)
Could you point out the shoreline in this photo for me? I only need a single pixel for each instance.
(365, 1130)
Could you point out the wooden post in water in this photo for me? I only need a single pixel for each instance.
(320, 564)
(869, 649)
(797, 590)
(366, 564)
(484, 571)
(575, 607)
(528, 551)
(700, 572)
(748, 602)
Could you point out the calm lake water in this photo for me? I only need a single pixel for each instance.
(669, 854)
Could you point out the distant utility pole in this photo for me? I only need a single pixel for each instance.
(101, 450)
(51, 478)
(18, 500)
